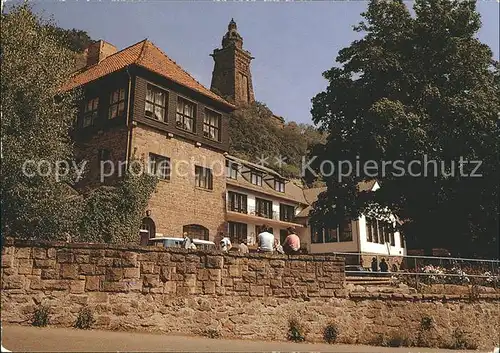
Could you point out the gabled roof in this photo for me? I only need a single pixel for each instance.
(144, 54)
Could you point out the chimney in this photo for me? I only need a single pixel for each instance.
(98, 51)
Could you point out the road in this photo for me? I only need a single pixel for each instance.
(32, 339)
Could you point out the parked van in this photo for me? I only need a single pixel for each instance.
(204, 244)
(170, 242)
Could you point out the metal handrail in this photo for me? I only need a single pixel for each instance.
(414, 256)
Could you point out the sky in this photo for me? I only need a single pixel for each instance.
(293, 42)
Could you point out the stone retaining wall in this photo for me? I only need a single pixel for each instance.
(252, 296)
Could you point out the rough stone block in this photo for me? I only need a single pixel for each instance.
(114, 274)
(102, 321)
(79, 299)
(256, 265)
(234, 271)
(208, 287)
(25, 266)
(215, 275)
(115, 286)
(282, 292)
(64, 256)
(112, 253)
(298, 265)
(49, 263)
(165, 273)
(120, 309)
(170, 287)
(55, 284)
(163, 258)
(129, 259)
(177, 257)
(276, 283)
(98, 297)
(241, 287)
(69, 271)
(23, 253)
(87, 269)
(312, 287)
(193, 258)
(288, 281)
(82, 259)
(7, 261)
(249, 277)
(215, 261)
(257, 291)
(147, 267)
(277, 263)
(326, 293)
(49, 273)
(308, 277)
(299, 291)
(39, 253)
(77, 287)
(36, 272)
(13, 282)
(203, 274)
(51, 253)
(151, 281)
(220, 290)
(92, 283)
(132, 272)
(191, 267)
(227, 282)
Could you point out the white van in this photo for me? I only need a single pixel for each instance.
(170, 242)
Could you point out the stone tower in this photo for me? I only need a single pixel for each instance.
(231, 77)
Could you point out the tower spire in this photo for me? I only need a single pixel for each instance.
(231, 77)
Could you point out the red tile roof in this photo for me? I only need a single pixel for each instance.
(148, 56)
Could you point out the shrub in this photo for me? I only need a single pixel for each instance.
(295, 331)
(212, 333)
(426, 323)
(460, 340)
(41, 316)
(330, 333)
(85, 319)
(398, 339)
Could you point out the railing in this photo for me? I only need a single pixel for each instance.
(255, 212)
(417, 270)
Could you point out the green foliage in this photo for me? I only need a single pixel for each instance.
(330, 333)
(295, 331)
(461, 340)
(72, 39)
(40, 316)
(113, 214)
(416, 86)
(212, 333)
(35, 126)
(253, 132)
(85, 319)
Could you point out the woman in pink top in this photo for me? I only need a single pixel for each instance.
(291, 245)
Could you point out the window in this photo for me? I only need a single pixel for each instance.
(237, 232)
(237, 202)
(256, 178)
(103, 155)
(264, 208)
(369, 230)
(159, 166)
(287, 213)
(203, 178)
(90, 112)
(117, 103)
(196, 231)
(185, 118)
(156, 103)
(231, 170)
(346, 231)
(316, 235)
(211, 125)
(244, 87)
(331, 235)
(279, 185)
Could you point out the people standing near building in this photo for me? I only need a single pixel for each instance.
(265, 240)
(243, 248)
(225, 244)
(383, 266)
(374, 265)
(291, 245)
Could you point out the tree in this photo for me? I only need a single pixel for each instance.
(38, 197)
(35, 128)
(253, 134)
(419, 88)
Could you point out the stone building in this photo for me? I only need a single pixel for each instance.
(139, 104)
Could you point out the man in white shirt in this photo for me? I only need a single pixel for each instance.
(225, 244)
(265, 240)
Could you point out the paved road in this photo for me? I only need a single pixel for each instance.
(31, 339)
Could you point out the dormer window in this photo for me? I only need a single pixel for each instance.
(279, 185)
(211, 125)
(185, 118)
(231, 170)
(256, 178)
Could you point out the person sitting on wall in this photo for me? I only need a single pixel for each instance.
(186, 244)
(374, 265)
(291, 245)
(243, 248)
(278, 247)
(383, 266)
(225, 244)
(265, 240)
